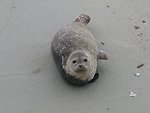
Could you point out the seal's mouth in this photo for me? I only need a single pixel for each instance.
(81, 69)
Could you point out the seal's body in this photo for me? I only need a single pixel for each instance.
(76, 52)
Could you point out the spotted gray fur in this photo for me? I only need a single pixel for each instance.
(76, 37)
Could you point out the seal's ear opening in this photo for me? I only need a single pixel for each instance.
(102, 55)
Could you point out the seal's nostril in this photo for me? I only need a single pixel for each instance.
(81, 66)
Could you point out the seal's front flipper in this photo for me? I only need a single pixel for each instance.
(102, 55)
(95, 78)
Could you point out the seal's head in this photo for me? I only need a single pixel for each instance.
(82, 65)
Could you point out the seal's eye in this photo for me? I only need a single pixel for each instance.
(85, 60)
(74, 61)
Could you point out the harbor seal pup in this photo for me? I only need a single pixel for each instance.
(76, 53)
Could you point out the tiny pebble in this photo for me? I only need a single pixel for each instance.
(136, 27)
(143, 21)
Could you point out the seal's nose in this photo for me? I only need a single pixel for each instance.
(80, 66)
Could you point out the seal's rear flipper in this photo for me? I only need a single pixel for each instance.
(83, 18)
(102, 55)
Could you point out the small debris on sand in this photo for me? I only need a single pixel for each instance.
(141, 34)
(132, 94)
(108, 6)
(141, 65)
(136, 27)
(143, 21)
(102, 43)
(137, 74)
(108, 109)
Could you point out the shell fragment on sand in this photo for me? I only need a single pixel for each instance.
(137, 74)
(133, 94)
